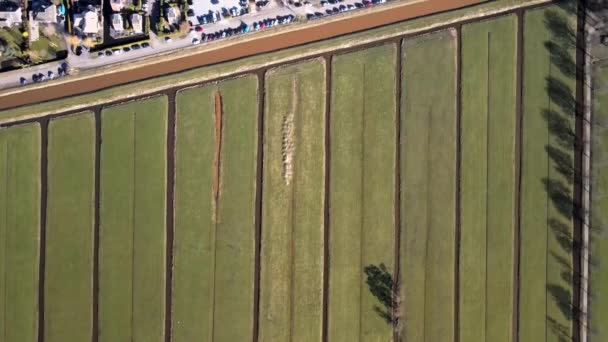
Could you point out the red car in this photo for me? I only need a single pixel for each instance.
(199, 29)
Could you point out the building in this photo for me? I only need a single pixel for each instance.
(173, 15)
(44, 12)
(118, 5)
(117, 23)
(10, 14)
(87, 22)
(137, 22)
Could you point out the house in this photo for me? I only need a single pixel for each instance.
(10, 14)
(117, 22)
(137, 22)
(45, 12)
(87, 22)
(173, 15)
(118, 5)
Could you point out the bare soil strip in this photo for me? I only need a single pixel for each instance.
(258, 205)
(396, 296)
(95, 332)
(518, 161)
(458, 181)
(44, 138)
(170, 198)
(578, 168)
(283, 40)
(326, 198)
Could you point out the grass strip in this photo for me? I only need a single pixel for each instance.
(132, 221)
(547, 176)
(362, 192)
(291, 300)
(69, 229)
(488, 180)
(428, 174)
(19, 232)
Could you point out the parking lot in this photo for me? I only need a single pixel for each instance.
(204, 7)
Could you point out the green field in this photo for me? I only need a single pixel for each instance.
(488, 180)
(546, 184)
(132, 221)
(19, 232)
(215, 232)
(291, 297)
(598, 305)
(69, 229)
(305, 194)
(362, 190)
(428, 183)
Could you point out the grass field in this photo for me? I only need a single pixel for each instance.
(428, 183)
(599, 240)
(132, 221)
(291, 297)
(69, 229)
(19, 232)
(547, 178)
(488, 180)
(362, 190)
(215, 210)
(295, 199)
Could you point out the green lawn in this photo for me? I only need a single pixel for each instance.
(598, 305)
(69, 229)
(362, 191)
(428, 185)
(214, 242)
(19, 232)
(132, 221)
(291, 296)
(546, 197)
(488, 180)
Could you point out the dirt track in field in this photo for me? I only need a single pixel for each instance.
(246, 48)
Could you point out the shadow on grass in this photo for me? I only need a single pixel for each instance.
(382, 286)
(560, 116)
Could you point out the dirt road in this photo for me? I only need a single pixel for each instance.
(244, 49)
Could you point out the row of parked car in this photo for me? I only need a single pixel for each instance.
(118, 51)
(62, 70)
(244, 28)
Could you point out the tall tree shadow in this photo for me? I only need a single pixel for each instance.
(382, 286)
(563, 111)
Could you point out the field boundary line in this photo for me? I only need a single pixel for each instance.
(261, 91)
(518, 168)
(458, 174)
(326, 188)
(170, 213)
(44, 143)
(253, 68)
(97, 223)
(396, 295)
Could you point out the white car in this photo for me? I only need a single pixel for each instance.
(195, 41)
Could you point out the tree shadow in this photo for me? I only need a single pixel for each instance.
(564, 142)
(382, 286)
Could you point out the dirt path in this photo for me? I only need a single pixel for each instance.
(327, 142)
(247, 48)
(44, 142)
(217, 153)
(518, 160)
(170, 212)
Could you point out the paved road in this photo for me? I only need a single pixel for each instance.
(253, 46)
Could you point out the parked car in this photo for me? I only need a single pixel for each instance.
(116, 51)
(195, 41)
(168, 40)
(199, 29)
(135, 47)
(108, 53)
(324, 2)
(342, 8)
(100, 54)
(145, 45)
(23, 81)
(51, 74)
(126, 49)
(41, 77)
(350, 7)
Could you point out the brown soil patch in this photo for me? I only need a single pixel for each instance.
(288, 145)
